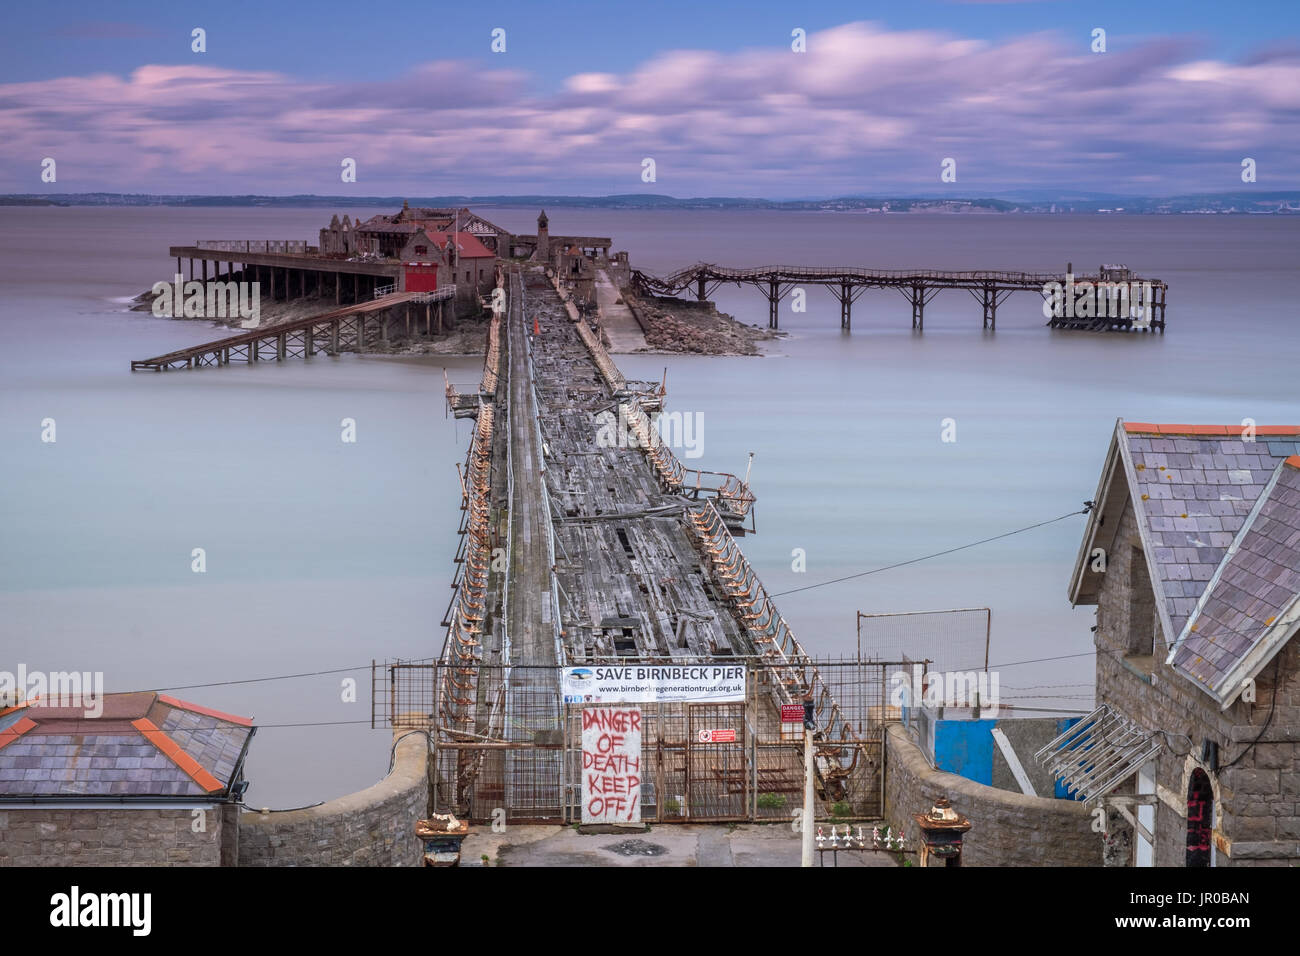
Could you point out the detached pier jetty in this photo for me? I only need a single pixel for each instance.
(989, 288)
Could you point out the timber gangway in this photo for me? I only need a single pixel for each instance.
(349, 328)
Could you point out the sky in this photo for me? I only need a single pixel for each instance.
(583, 94)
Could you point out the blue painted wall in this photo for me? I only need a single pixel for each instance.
(1062, 725)
(965, 747)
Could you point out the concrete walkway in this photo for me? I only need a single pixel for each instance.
(708, 845)
(616, 318)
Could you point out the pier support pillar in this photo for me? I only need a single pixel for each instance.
(205, 272)
(281, 346)
(699, 289)
(918, 308)
(334, 337)
(338, 282)
(773, 303)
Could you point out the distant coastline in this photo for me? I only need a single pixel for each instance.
(1234, 203)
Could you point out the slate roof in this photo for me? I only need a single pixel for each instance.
(1196, 485)
(1219, 525)
(1252, 591)
(142, 745)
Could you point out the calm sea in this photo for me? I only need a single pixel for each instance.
(323, 555)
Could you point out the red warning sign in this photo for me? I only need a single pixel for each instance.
(727, 736)
(792, 713)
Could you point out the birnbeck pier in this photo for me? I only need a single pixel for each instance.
(587, 542)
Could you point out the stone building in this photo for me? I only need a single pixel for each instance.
(544, 246)
(149, 780)
(435, 260)
(383, 236)
(1192, 557)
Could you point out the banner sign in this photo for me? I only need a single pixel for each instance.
(611, 765)
(653, 683)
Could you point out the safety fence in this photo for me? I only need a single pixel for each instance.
(730, 760)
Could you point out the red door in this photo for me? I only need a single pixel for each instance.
(421, 277)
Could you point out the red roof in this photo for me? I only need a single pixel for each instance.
(467, 245)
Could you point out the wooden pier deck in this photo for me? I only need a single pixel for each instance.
(339, 330)
(848, 283)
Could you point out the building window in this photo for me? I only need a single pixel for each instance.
(421, 250)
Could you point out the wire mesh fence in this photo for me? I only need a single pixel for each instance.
(954, 639)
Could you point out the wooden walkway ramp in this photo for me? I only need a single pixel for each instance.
(339, 330)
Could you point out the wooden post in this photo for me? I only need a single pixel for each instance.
(428, 318)
(281, 341)
(205, 271)
(338, 280)
(178, 265)
(334, 337)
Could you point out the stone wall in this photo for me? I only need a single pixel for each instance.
(1007, 829)
(115, 836)
(1256, 800)
(373, 827)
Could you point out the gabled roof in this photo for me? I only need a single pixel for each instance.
(467, 245)
(1194, 488)
(1251, 606)
(141, 745)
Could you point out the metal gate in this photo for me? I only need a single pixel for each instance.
(717, 771)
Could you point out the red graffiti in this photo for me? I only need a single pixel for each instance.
(611, 763)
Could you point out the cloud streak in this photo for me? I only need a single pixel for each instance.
(865, 110)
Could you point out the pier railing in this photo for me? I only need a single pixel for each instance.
(286, 246)
(683, 278)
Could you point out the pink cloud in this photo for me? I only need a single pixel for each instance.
(864, 110)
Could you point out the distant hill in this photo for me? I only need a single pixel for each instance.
(1235, 203)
